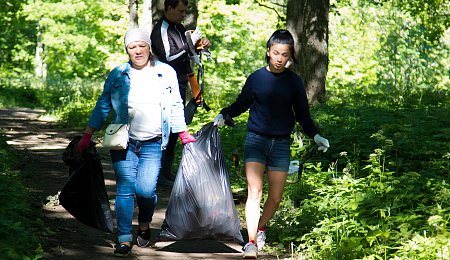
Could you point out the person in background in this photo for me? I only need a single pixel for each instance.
(170, 45)
(277, 99)
(144, 92)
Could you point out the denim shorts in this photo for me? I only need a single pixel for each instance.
(274, 152)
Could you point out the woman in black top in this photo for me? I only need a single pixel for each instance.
(277, 99)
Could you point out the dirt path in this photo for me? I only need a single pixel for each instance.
(41, 145)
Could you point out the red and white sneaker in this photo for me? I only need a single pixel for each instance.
(261, 238)
(250, 250)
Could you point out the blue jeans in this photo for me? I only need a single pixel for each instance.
(136, 170)
(274, 152)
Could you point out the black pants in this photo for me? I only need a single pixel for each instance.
(169, 154)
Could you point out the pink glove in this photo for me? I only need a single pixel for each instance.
(84, 142)
(185, 137)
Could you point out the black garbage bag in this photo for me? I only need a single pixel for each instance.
(189, 111)
(201, 204)
(84, 194)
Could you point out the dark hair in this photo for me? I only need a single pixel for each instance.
(152, 59)
(282, 36)
(174, 3)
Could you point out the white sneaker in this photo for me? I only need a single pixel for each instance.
(250, 251)
(261, 239)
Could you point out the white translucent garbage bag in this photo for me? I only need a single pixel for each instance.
(201, 205)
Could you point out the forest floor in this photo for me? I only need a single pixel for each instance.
(40, 145)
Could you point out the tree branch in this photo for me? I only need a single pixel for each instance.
(280, 16)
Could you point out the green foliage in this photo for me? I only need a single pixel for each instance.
(380, 50)
(17, 93)
(238, 48)
(70, 100)
(352, 65)
(232, 2)
(16, 42)
(385, 195)
(17, 237)
(238, 45)
(379, 215)
(79, 37)
(433, 16)
(381, 191)
(410, 62)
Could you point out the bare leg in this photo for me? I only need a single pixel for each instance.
(277, 180)
(254, 172)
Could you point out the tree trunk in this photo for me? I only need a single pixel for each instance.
(39, 63)
(307, 20)
(133, 11)
(189, 22)
(157, 10)
(146, 20)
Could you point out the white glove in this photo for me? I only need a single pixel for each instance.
(196, 35)
(322, 143)
(219, 121)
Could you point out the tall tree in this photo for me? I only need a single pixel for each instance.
(434, 15)
(157, 10)
(75, 39)
(308, 20)
(17, 36)
(39, 63)
(189, 22)
(133, 11)
(146, 15)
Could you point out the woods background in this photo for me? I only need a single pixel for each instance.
(377, 74)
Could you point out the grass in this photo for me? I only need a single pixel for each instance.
(18, 239)
(381, 191)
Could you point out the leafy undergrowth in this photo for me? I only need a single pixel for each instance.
(381, 192)
(18, 239)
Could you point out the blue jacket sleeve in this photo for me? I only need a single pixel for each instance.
(103, 106)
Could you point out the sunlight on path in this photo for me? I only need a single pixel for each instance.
(40, 146)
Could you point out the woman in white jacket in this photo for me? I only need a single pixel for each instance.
(144, 92)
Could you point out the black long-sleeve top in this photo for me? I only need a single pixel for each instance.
(276, 101)
(170, 46)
